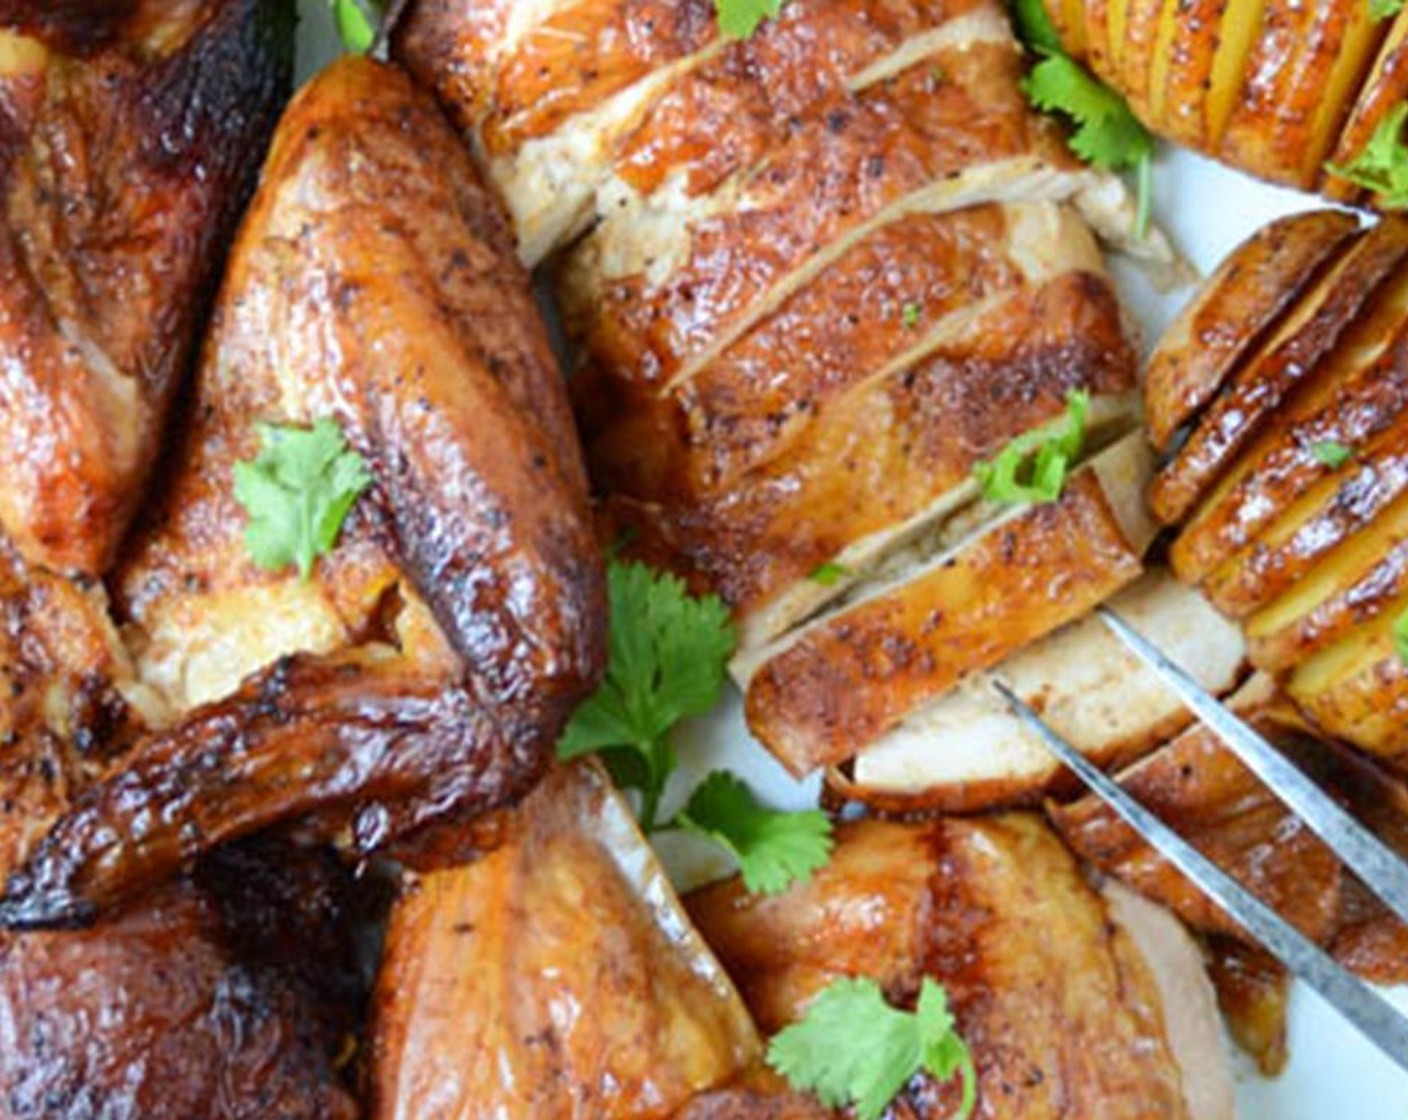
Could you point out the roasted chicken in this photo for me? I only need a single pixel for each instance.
(557, 976)
(226, 998)
(1285, 393)
(1074, 1003)
(812, 278)
(426, 667)
(1290, 91)
(130, 136)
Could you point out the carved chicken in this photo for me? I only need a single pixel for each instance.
(1074, 1002)
(556, 976)
(813, 278)
(425, 667)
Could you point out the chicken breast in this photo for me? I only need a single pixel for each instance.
(1065, 998)
(967, 751)
(429, 664)
(557, 976)
(837, 684)
(109, 251)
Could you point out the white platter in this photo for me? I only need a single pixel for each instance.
(1207, 209)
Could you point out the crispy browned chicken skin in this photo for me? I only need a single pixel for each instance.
(429, 664)
(129, 140)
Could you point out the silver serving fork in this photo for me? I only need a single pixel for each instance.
(1381, 869)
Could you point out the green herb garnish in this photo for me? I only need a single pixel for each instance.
(1034, 466)
(853, 1048)
(1331, 453)
(1382, 167)
(738, 19)
(297, 493)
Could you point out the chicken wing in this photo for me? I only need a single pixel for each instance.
(429, 663)
(130, 135)
(557, 976)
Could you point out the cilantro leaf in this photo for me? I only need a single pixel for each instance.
(1385, 9)
(1034, 466)
(355, 26)
(297, 493)
(738, 19)
(1400, 637)
(911, 315)
(1382, 167)
(668, 653)
(853, 1048)
(829, 574)
(1107, 133)
(774, 849)
(1331, 453)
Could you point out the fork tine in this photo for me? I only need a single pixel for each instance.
(1368, 1011)
(1377, 865)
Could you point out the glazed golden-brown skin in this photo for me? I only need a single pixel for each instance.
(1279, 88)
(1061, 1013)
(812, 278)
(181, 1007)
(109, 250)
(1217, 327)
(1253, 994)
(1290, 495)
(897, 450)
(842, 682)
(556, 976)
(1202, 791)
(430, 663)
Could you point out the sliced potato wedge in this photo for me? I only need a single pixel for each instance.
(967, 752)
(1301, 75)
(1385, 88)
(1249, 291)
(1235, 42)
(1354, 395)
(1358, 690)
(836, 685)
(1293, 351)
(1328, 513)
(1366, 574)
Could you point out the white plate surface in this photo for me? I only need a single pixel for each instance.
(1207, 209)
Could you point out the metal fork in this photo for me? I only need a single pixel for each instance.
(1381, 869)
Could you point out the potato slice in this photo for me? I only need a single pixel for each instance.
(1303, 71)
(1325, 515)
(1141, 25)
(1202, 790)
(1384, 89)
(1259, 387)
(1068, 16)
(1358, 690)
(967, 751)
(1100, 47)
(1249, 291)
(1367, 573)
(1191, 49)
(1238, 36)
(1357, 392)
(838, 684)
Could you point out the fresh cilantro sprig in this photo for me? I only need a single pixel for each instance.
(738, 19)
(668, 656)
(1331, 453)
(356, 24)
(1385, 9)
(853, 1048)
(1107, 134)
(774, 850)
(1035, 465)
(297, 493)
(1382, 167)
